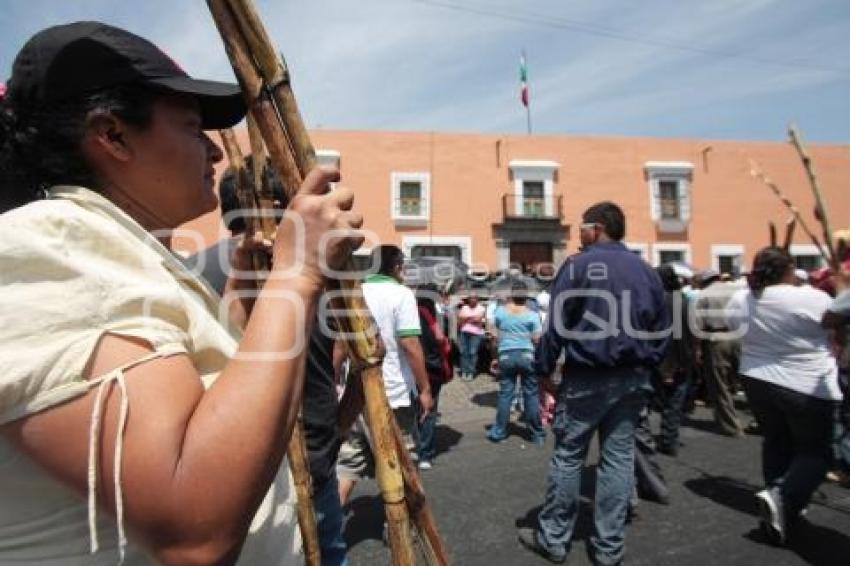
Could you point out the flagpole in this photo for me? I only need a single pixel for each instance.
(528, 117)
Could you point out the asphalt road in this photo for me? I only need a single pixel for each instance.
(481, 493)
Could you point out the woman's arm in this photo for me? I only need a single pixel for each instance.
(198, 463)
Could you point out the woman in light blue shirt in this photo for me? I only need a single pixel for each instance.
(517, 330)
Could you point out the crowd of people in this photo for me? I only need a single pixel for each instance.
(103, 154)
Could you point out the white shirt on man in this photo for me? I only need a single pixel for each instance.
(784, 343)
(393, 306)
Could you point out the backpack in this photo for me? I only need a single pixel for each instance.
(435, 347)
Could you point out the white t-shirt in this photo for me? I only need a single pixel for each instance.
(393, 306)
(784, 343)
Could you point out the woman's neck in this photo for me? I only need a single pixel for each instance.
(142, 214)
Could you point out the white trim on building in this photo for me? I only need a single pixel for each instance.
(327, 158)
(424, 180)
(659, 247)
(463, 242)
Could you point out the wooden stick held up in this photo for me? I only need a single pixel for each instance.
(790, 226)
(756, 172)
(822, 212)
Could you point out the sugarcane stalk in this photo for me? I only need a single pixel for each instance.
(790, 226)
(823, 213)
(255, 199)
(296, 455)
(292, 135)
(418, 507)
(756, 172)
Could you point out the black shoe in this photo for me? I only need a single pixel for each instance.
(529, 539)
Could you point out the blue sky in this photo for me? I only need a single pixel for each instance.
(721, 69)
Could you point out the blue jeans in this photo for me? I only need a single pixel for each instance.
(329, 523)
(425, 438)
(513, 364)
(469, 344)
(608, 401)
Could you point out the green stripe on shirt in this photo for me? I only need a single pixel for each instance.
(404, 333)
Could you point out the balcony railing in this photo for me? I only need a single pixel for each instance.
(522, 206)
(410, 208)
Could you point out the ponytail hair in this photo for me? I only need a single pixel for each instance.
(770, 267)
(40, 146)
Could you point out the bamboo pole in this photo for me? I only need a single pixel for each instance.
(254, 199)
(283, 131)
(418, 506)
(822, 212)
(790, 226)
(756, 172)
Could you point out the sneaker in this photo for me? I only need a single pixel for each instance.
(425, 465)
(772, 515)
(529, 538)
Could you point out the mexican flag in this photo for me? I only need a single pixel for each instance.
(523, 80)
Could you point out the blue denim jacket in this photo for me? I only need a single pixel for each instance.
(607, 310)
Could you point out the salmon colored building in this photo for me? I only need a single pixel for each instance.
(495, 200)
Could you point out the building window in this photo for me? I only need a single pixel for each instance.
(728, 258)
(533, 192)
(807, 262)
(729, 264)
(454, 252)
(670, 252)
(533, 198)
(806, 257)
(410, 196)
(670, 256)
(459, 247)
(669, 194)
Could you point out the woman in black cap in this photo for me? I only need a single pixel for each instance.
(119, 380)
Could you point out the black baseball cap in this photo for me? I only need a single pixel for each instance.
(74, 59)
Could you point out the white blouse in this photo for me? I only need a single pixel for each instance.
(73, 267)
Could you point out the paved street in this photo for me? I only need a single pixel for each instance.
(481, 492)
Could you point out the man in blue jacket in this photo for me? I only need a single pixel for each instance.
(608, 317)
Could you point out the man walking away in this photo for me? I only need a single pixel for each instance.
(606, 303)
(722, 354)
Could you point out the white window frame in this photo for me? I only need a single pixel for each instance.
(463, 242)
(525, 170)
(679, 172)
(659, 247)
(424, 180)
(806, 249)
(718, 250)
(640, 247)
